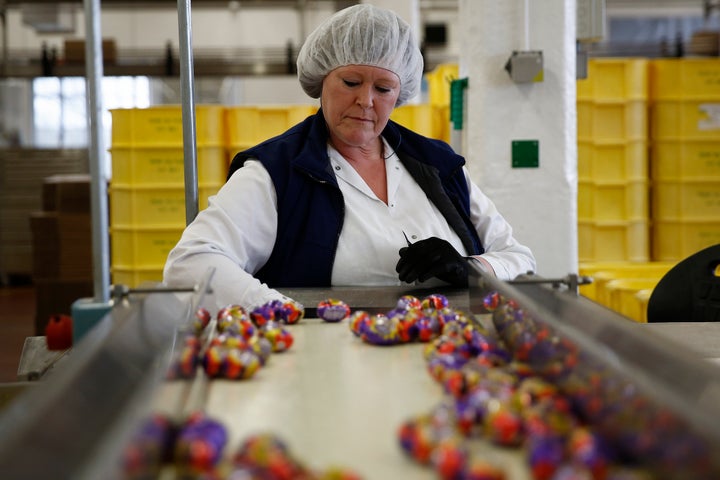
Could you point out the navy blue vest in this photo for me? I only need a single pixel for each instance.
(311, 208)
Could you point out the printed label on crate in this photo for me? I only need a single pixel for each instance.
(166, 125)
(711, 159)
(710, 198)
(712, 122)
(709, 76)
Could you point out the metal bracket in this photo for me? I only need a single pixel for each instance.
(122, 292)
(572, 281)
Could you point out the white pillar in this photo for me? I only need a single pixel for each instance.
(540, 203)
(409, 10)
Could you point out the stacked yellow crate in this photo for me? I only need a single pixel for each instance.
(147, 189)
(613, 179)
(425, 119)
(623, 286)
(438, 83)
(685, 156)
(246, 126)
(438, 86)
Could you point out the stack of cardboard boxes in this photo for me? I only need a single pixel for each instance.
(62, 246)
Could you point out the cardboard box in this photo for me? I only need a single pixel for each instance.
(66, 193)
(62, 246)
(74, 51)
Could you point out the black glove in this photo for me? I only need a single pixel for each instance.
(432, 257)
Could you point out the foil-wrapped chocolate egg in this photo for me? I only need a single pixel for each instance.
(358, 322)
(449, 457)
(588, 448)
(149, 448)
(435, 301)
(503, 424)
(545, 454)
(408, 302)
(407, 325)
(213, 360)
(200, 443)
(262, 348)
(381, 330)
(262, 315)
(266, 456)
(492, 301)
(240, 364)
(332, 310)
(418, 438)
(201, 320)
(280, 337)
(185, 359)
(287, 311)
(429, 325)
(440, 365)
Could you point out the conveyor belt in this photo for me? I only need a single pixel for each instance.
(334, 399)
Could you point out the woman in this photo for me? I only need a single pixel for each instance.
(347, 197)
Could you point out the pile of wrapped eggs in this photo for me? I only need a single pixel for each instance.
(196, 445)
(196, 449)
(411, 320)
(241, 342)
(508, 387)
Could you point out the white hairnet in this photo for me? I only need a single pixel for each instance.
(361, 35)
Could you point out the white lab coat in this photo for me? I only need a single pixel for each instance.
(236, 233)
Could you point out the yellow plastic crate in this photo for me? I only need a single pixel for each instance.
(162, 126)
(425, 119)
(686, 200)
(250, 125)
(442, 114)
(622, 296)
(616, 201)
(677, 240)
(439, 81)
(616, 79)
(134, 277)
(612, 121)
(153, 205)
(603, 272)
(613, 162)
(613, 241)
(165, 165)
(685, 160)
(685, 120)
(638, 307)
(646, 271)
(685, 78)
(148, 247)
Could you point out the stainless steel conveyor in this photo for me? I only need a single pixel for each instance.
(339, 401)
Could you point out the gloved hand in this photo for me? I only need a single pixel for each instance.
(432, 257)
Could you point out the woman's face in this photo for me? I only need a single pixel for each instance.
(357, 101)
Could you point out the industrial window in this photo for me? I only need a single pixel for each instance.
(60, 108)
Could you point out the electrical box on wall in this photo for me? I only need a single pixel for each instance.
(525, 66)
